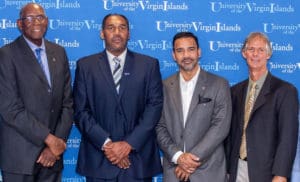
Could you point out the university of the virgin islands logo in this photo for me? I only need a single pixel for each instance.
(145, 5)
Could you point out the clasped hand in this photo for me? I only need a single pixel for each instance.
(118, 153)
(187, 164)
(51, 153)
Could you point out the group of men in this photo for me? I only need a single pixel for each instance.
(126, 113)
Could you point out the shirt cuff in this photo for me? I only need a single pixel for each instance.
(176, 156)
(106, 141)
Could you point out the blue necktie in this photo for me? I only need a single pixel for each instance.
(43, 64)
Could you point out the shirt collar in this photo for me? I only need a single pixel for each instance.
(33, 46)
(191, 81)
(122, 56)
(260, 81)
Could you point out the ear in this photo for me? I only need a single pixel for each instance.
(20, 24)
(244, 54)
(102, 35)
(173, 55)
(199, 52)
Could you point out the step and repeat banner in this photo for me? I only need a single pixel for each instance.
(221, 27)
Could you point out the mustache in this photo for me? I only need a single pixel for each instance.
(117, 37)
(187, 59)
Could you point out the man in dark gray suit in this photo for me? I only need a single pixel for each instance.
(195, 119)
(36, 103)
(263, 139)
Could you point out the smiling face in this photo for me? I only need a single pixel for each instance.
(256, 54)
(115, 32)
(33, 23)
(186, 53)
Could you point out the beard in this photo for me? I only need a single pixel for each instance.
(188, 67)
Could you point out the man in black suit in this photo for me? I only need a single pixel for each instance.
(118, 101)
(36, 103)
(264, 129)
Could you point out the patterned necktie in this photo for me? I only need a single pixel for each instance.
(117, 72)
(248, 110)
(43, 64)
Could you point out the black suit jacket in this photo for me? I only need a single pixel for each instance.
(130, 115)
(30, 109)
(271, 133)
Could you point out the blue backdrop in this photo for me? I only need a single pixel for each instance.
(220, 25)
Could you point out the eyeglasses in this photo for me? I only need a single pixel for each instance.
(259, 50)
(30, 19)
(121, 28)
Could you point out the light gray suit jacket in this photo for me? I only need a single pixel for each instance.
(207, 126)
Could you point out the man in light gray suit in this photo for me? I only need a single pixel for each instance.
(195, 119)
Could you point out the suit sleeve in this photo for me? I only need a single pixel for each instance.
(84, 119)
(220, 123)
(152, 111)
(12, 108)
(288, 106)
(66, 118)
(164, 139)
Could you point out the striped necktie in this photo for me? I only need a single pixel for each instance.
(248, 110)
(117, 72)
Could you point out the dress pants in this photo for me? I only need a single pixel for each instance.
(122, 177)
(43, 175)
(242, 172)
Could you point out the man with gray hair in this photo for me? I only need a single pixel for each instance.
(263, 137)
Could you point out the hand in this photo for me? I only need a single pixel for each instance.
(56, 145)
(181, 174)
(188, 162)
(47, 158)
(279, 179)
(124, 163)
(116, 151)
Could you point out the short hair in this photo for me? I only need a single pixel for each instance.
(114, 14)
(185, 35)
(260, 35)
(22, 9)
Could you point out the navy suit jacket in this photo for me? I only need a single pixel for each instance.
(271, 133)
(131, 115)
(30, 109)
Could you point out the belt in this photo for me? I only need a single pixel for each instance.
(245, 159)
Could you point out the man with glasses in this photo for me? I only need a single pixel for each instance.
(36, 102)
(263, 137)
(118, 101)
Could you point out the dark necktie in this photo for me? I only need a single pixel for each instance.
(42, 64)
(117, 72)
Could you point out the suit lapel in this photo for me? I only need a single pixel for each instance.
(242, 102)
(30, 60)
(175, 96)
(261, 98)
(105, 70)
(127, 71)
(51, 64)
(200, 88)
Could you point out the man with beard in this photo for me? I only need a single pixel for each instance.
(195, 119)
(118, 101)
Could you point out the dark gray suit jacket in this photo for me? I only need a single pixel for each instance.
(206, 127)
(30, 109)
(271, 132)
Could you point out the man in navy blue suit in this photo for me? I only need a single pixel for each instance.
(118, 101)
